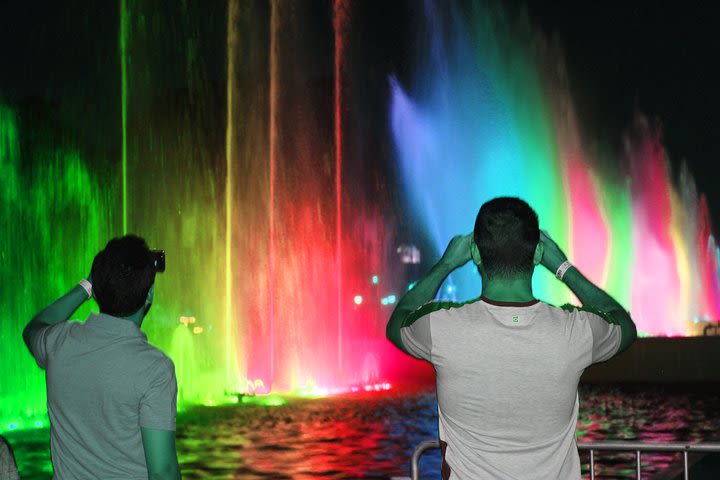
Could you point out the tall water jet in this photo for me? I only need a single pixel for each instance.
(232, 44)
(272, 172)
(123, 40)
(340, 13)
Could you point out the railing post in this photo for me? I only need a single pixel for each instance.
(637, 463)
(419, 450)
(686, 470)
(592, 464)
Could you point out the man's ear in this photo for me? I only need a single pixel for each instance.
(539, 250)
(475, 253)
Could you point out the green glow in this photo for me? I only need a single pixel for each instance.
(54, 220)
(617, 200)
(264, 400)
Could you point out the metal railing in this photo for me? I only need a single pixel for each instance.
(615, 446)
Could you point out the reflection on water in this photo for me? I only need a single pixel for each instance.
(372, 435)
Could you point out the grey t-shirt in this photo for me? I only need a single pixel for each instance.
(104, 382)
(507, 377)
(8, 468)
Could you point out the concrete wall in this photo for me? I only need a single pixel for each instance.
(661, 360)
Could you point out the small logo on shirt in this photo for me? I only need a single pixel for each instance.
(516, 319)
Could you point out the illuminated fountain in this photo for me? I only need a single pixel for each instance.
(238, 166)
(490, 114)
(259, 218)
(242, 185)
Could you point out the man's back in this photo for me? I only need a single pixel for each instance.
(507, 376)
(104, 383)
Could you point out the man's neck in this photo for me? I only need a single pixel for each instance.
(517, 289)
(136, 318)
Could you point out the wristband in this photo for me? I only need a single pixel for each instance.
(87, 286)
(564, 267)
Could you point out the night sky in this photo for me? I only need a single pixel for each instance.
(653, 57)
(658, 58)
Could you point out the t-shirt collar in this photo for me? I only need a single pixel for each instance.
(509, 304)
(114, 324)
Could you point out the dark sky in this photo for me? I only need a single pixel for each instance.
(659, 58)
(656, 57)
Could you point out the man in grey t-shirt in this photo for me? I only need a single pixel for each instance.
(508, 365)
(111, 395)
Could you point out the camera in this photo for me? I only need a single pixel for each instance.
(158, 260)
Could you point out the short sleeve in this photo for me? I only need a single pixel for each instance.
(158, 406)
(417, 338)
(605, 335)
(416, 332)
(42, 340)
(8, 468)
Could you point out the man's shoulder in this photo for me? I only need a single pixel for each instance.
(146, 359)
(561, 311)
(153, 355)
(433, 308)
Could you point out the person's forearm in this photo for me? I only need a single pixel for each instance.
(424, 291)
(593, 296)
(171, 473)
(61, 309)
(588, 293)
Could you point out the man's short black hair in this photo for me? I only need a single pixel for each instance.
(506, 233)
(122, 274)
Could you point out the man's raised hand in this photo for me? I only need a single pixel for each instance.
(552, 257)
(457, 252)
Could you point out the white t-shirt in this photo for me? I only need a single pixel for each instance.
(507, 377)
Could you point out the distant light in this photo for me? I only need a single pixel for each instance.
(273, 401)
(384, 301)
(409, 254)
(450, 288)
(375, 279)
(38, 423)
(391, 298)
(411, 285)
(376, 387)
(186, 320)
(197, 330)
(312, 390)
(358, 299)
(12, 426)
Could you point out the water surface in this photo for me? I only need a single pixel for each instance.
(371, 435)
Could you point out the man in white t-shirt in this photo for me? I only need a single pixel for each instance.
(508, 365)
